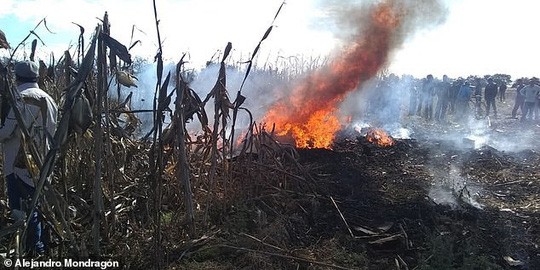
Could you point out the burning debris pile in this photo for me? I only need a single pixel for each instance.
(379, 137)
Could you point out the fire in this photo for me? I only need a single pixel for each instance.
(379, 137)
(308, 113)
(317, 132)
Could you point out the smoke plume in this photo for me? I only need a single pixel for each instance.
(370, 32)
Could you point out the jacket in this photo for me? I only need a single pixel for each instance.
(39, 113)
(530, 92)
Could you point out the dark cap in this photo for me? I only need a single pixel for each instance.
(27, 69)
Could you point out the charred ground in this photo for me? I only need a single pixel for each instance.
(424, 203)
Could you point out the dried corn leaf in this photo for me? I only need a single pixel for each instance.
(227, 51)
(81, 29)
(266, 34)
(164, 100)
(159, 68)
(117, 48)
(33, 51)
(46, 27)
(134, 43)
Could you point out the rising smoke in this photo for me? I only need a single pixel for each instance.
(452, 189)
(370, 32)
(260, 94)
(340, 90)
(261, 91)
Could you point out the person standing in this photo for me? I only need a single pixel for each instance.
(428, 92)
(519, 99)
(454, 90)
(421, 96)
(490, 93)
(39, 113)
(462, 100)
(537, 103)
(502, 91)
(443, 96)
(530, 91)
(410, 83)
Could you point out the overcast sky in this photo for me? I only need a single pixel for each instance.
(478, 37)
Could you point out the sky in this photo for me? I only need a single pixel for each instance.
(478, 37)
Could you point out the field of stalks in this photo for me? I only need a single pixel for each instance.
(147, 200)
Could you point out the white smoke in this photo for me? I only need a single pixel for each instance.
(452, 189)
(380, 104)
(261, 89)
(143, 95)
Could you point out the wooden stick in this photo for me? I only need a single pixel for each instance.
(510, 183)
(342, 217)
(406, 236)
(402, 262)
(261, 241)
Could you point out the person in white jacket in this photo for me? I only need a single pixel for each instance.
(39, 113)
(530, 92)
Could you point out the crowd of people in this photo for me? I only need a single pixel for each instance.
(461, 98)
(454, 100)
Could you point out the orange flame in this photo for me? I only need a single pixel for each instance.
(309, 113)
(379, 137)
(317, 132)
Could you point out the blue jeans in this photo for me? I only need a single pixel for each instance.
(18, 192)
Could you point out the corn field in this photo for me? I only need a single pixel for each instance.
(147, 200)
